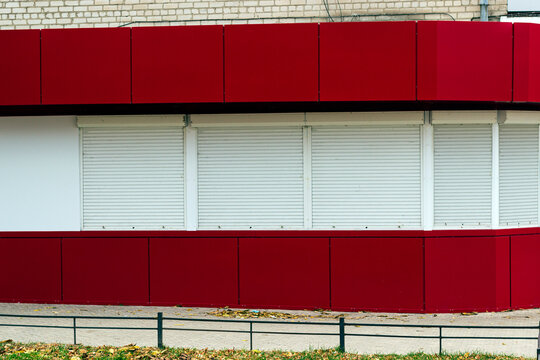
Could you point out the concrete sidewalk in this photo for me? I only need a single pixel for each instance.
(201, 339)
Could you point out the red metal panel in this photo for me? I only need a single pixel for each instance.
(284, 272)
(271, 62)
(377, 274)
(194, 271)
(526, 62)
(466, 270)
(179, 64)
(105, 270)
(19, 67)
(31, 270)
(368, 61)
(525, 271)
(467, 274)
(465, 61)
(86, 66)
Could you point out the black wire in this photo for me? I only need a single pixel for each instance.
(351, 17)
(492, 17)
(523, 14)
(327, 7)
(224, 19)
(340, 10)
(355, 16)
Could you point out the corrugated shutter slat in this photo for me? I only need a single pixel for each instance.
(250, 178)
(462, 175)
(366, 177)
(133, 178)
(518, 184)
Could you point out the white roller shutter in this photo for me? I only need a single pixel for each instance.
(462, 179)
(366, 177)
(250, 178)
(518, 184)
(133, 178)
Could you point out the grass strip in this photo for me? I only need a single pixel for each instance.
(17, 351)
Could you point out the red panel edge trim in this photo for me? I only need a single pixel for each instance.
(276, 233)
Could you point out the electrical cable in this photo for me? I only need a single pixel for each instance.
(351, 17)
(357, 16)
(327, 7)
(523, 14)
(340, 10)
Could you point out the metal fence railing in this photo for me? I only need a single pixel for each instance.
(341, 327)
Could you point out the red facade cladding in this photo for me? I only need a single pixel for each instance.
(284, 272)
(525, 271)
(31, 270)
(457, 270)
(194, 271)
(180, 64)
(86, 66)
(467, 274)
(373, 273)
(105, 270)
(455, 61)
(464, 61)
(19, 67)
(526, 62)
(274, 62)
(368, 61)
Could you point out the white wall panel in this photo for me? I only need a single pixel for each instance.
(133, 178)
(518, 175)
(366, 177)
(365, 118)
(191, 182)
(464, 117)
(495, 198)
(39, 162)
(462, 175)
(250, 178)
(427, 174)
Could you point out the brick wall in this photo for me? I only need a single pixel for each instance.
(111, 13)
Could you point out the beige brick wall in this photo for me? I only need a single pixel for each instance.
(111, 13)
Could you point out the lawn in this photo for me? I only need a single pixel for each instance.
(15, 351)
